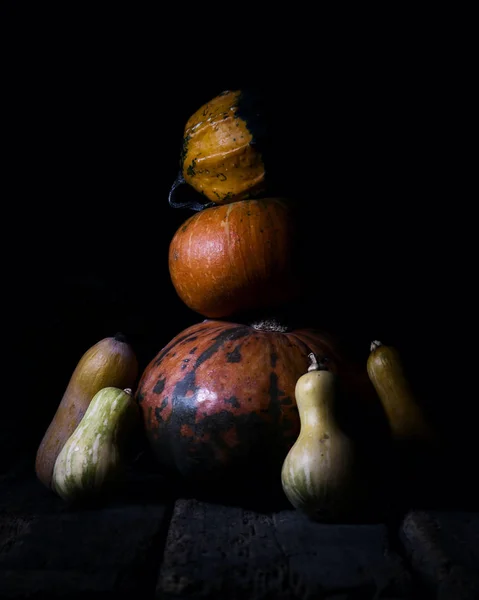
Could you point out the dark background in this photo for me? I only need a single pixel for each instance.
(94, 115)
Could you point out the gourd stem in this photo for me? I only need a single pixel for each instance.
(120, 337)
(180, 180)
(316, 365)
(374, 345)
(197, 206)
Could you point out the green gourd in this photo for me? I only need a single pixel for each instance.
(322, 473)
(92, 461)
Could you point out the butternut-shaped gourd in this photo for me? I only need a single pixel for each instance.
(93, 459)
(407, 420)
(109, 362)
(321, 474)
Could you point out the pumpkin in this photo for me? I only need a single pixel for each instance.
(236, 257)
(220, 397)
(221, 155)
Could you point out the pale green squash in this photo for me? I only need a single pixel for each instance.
(92, 460)
(322, 474)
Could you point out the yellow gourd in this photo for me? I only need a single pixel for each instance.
(321, 474)
(407, 420)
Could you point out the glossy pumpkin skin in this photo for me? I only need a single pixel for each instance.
(220, 158)
(221, 397)
(235, 258)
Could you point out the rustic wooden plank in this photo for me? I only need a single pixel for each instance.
(53, 550)
(443, 549)
(223, 552)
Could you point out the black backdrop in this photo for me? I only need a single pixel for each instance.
(94, 121)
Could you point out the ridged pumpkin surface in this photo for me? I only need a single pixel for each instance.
(221, 395)
(219, 158)
(235, 258)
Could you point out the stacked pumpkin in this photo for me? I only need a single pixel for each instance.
(219, 399)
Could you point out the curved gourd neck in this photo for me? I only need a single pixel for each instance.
(108, 413)
(316, 397)
(317, 413)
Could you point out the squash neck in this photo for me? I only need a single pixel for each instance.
(317, 410)
(317, 414)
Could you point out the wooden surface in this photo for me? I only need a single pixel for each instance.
(151, 542)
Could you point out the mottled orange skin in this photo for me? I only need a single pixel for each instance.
(222, 394)
(219, 159)
(236, 257)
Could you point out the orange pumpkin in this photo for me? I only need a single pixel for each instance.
(236, 257)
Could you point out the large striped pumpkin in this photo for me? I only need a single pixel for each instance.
(220, 396)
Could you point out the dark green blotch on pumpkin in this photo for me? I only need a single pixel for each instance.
(190, 337)
(159, 386)
(201, 456)
(251, 109)
(159, 410)
(273, 135)
(229, 335)
(191, 170)
(235, 356)
(273, 359)
(233, 401)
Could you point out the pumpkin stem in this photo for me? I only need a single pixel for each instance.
(316, 365)
(374, 345)
(270, 325)
(191, 204)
